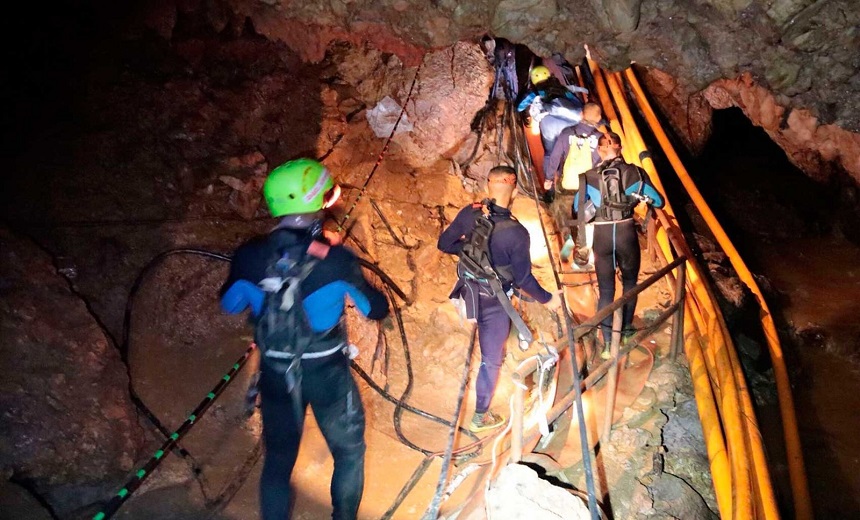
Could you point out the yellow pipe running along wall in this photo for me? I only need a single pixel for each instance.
(743, 491)
(726, 364)
(797, 472)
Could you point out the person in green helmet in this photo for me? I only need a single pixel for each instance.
(294, 282)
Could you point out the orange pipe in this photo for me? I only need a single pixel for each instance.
(581, 83)
(608, 110)
(750, 440)
(734, 499)
(706, 405)
(797, 472)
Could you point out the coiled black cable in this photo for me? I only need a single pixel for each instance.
(230, 489)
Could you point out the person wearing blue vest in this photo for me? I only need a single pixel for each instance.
(297, 192)
(509, 251)
(553, 105)
(616, 243)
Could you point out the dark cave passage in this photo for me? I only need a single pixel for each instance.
(756, 191)
(792, 231)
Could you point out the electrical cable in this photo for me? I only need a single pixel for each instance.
(124, 344)
(230, 489)
(583, 433)
(433, 510)
(383, 152)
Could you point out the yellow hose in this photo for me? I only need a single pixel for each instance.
(730, 475)
(797, 472)
(705, 403)
(608, 110)
(725, 356)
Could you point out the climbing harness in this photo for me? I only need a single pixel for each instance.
(476, 265)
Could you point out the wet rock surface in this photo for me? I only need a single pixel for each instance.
(519, 492)
(797, 239)
(69, 428)
(655, 464)
(804, 50)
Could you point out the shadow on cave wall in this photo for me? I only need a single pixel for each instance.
(119, 139)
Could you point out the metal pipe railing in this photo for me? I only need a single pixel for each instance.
(740, 473)
(518, 435)
(727, 375)
(722, 374)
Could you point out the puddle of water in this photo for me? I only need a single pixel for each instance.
(821, 279)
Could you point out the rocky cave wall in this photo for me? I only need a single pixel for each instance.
(793, 66)
(171, 155)
(69, 428)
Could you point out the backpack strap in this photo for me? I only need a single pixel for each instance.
(283, 292)
(476, 265)
(629, 202)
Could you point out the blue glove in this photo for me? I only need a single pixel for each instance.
(242, 294)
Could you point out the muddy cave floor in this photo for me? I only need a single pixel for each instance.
(170, 375)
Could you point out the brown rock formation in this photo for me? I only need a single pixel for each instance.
(801, 55)
(68, 423)
(812, 146)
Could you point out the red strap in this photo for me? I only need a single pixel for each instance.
(318, 249)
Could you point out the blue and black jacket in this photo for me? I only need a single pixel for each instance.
(509, 249)
(336, 276)
(634, 179)
(547, 91)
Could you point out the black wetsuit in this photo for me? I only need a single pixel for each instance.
(326, 384)
(616, 243)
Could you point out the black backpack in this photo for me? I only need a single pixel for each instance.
(476, 264)
(476, 260)
(615, 203)
(282, 331)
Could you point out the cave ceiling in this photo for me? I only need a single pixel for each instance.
(807, 52)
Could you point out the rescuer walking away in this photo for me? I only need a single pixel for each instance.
(494, 259)
(294, 282)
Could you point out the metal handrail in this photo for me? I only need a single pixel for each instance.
(794, 452)
(740, 474)
(517, 432)
(736, 481)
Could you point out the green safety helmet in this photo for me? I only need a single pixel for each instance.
(299, 186)
(539, 74)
